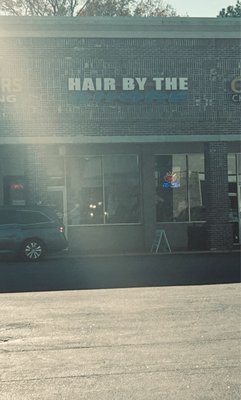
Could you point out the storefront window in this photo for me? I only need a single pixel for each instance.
(180, 188)
(121, 182)
(55, 170)
(84, 190)
(171, 188)
(234, 193)
(232, 188)
(196, 187)
(103, 189)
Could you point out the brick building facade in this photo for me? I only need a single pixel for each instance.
(126, 126)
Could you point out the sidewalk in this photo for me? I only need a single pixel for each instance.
(78, 253)
(78, 271)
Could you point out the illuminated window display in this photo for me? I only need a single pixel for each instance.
(180, 187)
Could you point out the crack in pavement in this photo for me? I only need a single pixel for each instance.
(189, 342)
(194, 371)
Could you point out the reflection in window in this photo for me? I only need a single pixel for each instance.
(103, 189)
(171, 188)
(55, 170)
(121, 180)
(180, 188)
(196, 187)
(232, 188)
(84, 188)
(234, 193)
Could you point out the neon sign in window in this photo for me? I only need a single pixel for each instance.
(16, 186)
(171, 180)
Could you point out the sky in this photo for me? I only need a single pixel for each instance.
(200, 8)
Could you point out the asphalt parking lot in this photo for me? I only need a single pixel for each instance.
(152, 343)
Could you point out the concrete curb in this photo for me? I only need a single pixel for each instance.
(180, 253)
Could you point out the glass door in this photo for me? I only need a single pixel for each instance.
(56, 198)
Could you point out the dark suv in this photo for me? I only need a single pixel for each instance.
(30, 232)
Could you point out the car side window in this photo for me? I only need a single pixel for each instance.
(31, 217)
(7, 217)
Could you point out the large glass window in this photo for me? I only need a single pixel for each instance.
(121, 182)
(180, 188)
(232, 187)
(196, 187)
(103, 189)
(55, 170)
(171, 187)
(234, 192)
(85, 190)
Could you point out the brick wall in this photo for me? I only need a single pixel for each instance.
(217, 201)
(35, 174)
(44, 106)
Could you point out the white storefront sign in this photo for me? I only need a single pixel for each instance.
(127, 84)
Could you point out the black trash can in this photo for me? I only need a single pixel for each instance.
(197, 237)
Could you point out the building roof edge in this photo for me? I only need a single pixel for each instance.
(120, 27)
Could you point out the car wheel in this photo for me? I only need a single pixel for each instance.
(33, 250)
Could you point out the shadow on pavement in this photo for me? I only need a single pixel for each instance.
(74, 273)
